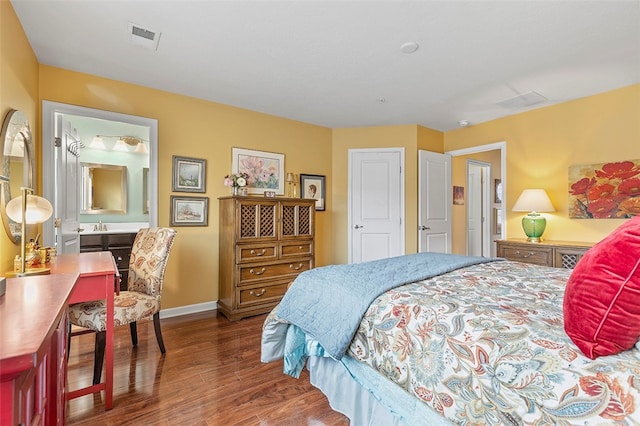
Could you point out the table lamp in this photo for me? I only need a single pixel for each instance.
(533, 201)
(35, 210)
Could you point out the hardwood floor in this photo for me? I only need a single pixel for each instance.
(210, 375)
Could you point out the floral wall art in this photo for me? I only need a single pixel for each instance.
(607, 190)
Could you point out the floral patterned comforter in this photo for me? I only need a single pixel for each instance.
(486, 345)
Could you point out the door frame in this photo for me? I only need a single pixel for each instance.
(351, 151)
(485, 206)
(502, 146)
(49, 111)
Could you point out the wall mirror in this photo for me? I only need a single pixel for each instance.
(18, 165)
(104, 189)
(145, 190)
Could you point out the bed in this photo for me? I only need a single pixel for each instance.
(483, 342)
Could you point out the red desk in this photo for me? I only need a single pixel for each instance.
(97, 272)
(33, 342)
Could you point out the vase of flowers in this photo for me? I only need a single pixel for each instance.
(236, 181)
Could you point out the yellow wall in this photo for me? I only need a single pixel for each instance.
(543, 143)
(18, 90)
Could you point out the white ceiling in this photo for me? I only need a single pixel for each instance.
(329, 62)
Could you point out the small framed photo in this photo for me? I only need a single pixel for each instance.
(189, 174)
(497, 190)
(265, 170)
(189, 211)
(313, 186)
(270, 194)
(458, 195)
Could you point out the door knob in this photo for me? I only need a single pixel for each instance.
(423, 228)
(358, 226)
(79, 229)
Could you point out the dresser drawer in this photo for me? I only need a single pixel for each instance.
(252, 273)
(536, 255)
(301, 248)
(256, 252)
(265, 293)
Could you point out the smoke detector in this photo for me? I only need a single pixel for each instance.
(143, 37)
(464, 123)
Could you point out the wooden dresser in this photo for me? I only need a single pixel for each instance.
(559, 254)
(264, 244)
(119, 244)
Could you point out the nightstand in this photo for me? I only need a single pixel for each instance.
(558, 254)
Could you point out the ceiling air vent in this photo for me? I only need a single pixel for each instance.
(144, 37)
(523, 100)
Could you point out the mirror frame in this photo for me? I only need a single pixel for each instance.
(87, 170)
(15, 122)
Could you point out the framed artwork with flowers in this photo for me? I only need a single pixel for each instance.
(605, 190)
(188, 174)
(264, 171)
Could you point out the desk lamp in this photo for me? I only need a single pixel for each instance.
(35, 210)
(533, 201)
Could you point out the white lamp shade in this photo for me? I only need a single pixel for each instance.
(533, 200)
(38, 209)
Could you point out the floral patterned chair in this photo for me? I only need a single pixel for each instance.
(149, 256)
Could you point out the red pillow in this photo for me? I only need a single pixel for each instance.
(602, 298)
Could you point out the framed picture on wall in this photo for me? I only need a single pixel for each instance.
(313, 186)
(189, 211)
(265, 170)
(188, 174)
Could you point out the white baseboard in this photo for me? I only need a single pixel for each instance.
(189, 309)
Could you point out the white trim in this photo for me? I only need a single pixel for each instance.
(49, 110)
(403, 230)
(502, 146)
(188, 309)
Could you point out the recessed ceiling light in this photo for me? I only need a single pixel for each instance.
(409, 47)
(381, 100)
(464, 123)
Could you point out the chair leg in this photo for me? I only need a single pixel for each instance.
(156, 326)
(133, 327)
(101, 340)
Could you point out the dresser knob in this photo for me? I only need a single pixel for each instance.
(252, 271)
(296, 267)
(262, 291)
(259, 254)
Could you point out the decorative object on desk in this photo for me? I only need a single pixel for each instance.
(189, 211)
(188, 174)
(458, 195)
(606, 190)
(313, 186)
(236, 181)
(265, 170)
(533, 201)
(269, 194)
(28, 209)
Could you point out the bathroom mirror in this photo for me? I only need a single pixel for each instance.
(104, 189)
(145, 190)
(18, 165)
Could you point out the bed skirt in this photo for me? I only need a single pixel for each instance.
(352, 397)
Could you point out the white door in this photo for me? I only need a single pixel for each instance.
(478, 204)
(376, 204)
(67, 184)
(434, 202)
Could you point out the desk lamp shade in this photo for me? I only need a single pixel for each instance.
(35, 210)
(533, 201)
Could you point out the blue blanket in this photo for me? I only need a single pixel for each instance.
(328, 303)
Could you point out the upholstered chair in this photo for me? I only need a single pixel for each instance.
(149, 256)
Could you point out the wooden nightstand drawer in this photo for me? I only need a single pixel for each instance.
(303, 248)
(256, 252)
(263, 294)
(523, 254)
(251, 273)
